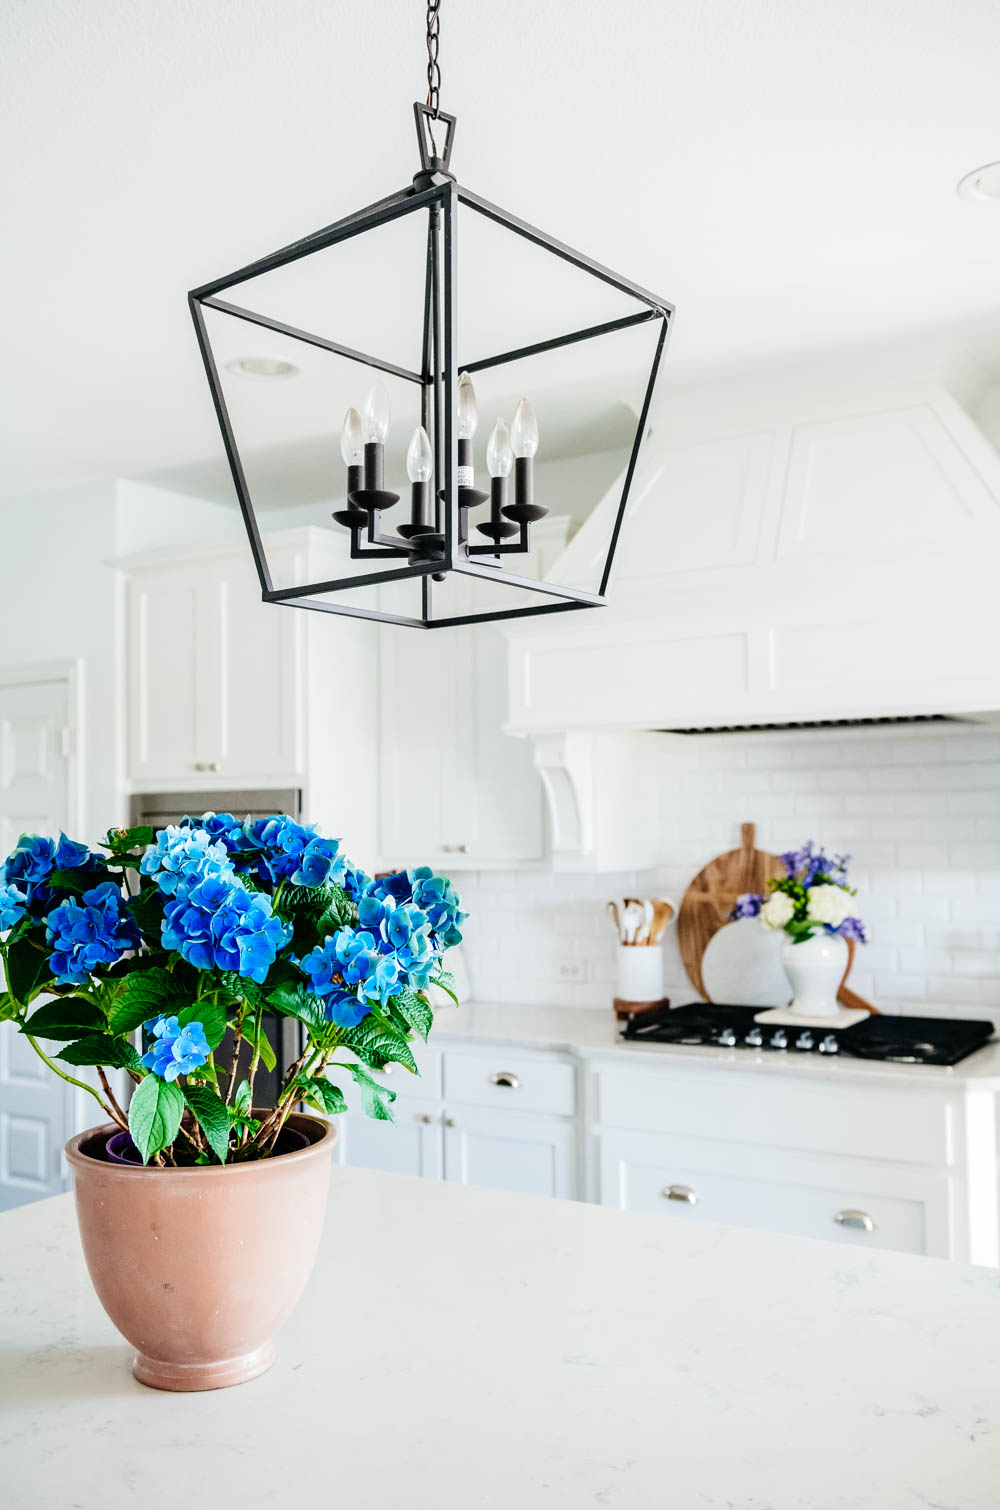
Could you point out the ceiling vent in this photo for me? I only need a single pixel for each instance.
(821, 723)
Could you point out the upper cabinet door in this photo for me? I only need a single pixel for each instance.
(214, 675)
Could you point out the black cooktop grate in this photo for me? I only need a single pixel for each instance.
(899, 1040)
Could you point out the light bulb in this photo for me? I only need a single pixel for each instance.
(352, 439)
(377, 413)
(468, 411)
(499, 453)
(420, 457)
(524, 430)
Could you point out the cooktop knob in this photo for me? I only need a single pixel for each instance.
(754, 1038)
(805, 1040)
(727, 1039)
(829, 1044)
(779, 1039)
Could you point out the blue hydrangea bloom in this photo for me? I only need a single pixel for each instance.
(400, 930)
(436, 897)
(13, 905)
(175, 1050)
(219, 925)
(349, 973)
(86, 933)
(222, 828)
(183, 857)
(355, 882)
(70, 855)
(294, 852)
(30, 862)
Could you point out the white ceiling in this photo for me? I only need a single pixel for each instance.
(783, 170)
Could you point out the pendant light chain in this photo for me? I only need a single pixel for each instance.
(433, 67)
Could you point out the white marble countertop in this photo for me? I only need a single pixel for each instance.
(595, 1034)
(470, 1350)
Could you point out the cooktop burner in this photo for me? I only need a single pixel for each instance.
(901, 1040)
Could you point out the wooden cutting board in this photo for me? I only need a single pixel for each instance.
(712, 896)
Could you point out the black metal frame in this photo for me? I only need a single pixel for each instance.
(436, 191)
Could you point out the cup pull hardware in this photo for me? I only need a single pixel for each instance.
(450, 1122)
(849, 1217)
(506, 1078)
(454, 849)
(208, 765)
(681, 1193)
(425, 1117)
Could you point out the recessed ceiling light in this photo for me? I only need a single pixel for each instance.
(982, 185)
(262, 367)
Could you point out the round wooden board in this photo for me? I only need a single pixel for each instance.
(712, 896)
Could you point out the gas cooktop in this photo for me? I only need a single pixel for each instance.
(900, 1040)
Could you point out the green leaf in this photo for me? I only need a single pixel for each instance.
(211, 1015)
(267, 1054)
(146, 994)
(376, 1100)
(154, 1115)
(27, 969)
(147, 909)
(377, 1045)
(416, 1011)
(295, 1000)
(242, 988)
(101, 1048)
(242, 1101)
(212, 1116)
(446, 981)
(69, 1017)
(80, 880)
(9, 1008)
(319, 1093)
(121, 840)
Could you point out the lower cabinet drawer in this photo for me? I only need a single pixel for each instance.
(514, 1082)
(851, 1201)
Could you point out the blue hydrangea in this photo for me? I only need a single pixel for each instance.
(30, 862)
(219, 925)
(89, 932)
(13, 905)
(221, 828)
(402, 930)
(434, 895)
(349, 973)
(294, 852)
(175, 1050)
(355, 882)
(181, 858)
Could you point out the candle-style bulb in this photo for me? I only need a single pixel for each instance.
(377, 414)
(524, 430)
(352, 439)
(468, 410)
(420, 457)
(499, 452)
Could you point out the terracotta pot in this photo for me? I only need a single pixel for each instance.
(199, 1267)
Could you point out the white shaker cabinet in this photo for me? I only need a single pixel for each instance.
(506, 1151)
(226, 691)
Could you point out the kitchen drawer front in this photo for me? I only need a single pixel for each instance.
(514, 1081)
(879, 1122)
(854, 1201)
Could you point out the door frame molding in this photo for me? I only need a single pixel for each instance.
(29, 673)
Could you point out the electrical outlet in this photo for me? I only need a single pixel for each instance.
(572, 970)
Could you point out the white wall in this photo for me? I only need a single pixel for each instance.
(918, 807)
(60, 599)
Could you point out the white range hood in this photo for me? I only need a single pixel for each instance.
(801, 559)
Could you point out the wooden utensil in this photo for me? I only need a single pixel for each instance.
(664, 912)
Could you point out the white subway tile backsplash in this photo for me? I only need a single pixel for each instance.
(920, 813)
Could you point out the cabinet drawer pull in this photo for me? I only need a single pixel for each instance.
(454, 849)
(425, 1117)
(851, 1218)
(387, 1069)
(450, 1122)
(507, 1078)
(207, 765)
(681, 1193)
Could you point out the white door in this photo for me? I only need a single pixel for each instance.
(36, 1108)
(532, 1155)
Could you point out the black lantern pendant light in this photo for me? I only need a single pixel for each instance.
(459, 553)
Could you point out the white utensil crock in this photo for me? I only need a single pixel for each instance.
(815, 968)
(640, 972)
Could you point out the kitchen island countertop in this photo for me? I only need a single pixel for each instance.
(468, 1350)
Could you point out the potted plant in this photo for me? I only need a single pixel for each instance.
(814, 906)
(201, 1211)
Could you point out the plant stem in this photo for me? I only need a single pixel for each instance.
(116, 1110)
(80, 1084)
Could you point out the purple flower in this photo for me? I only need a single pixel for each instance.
(747, 906)
(851, 928)
(176, 1050)
(807, 863)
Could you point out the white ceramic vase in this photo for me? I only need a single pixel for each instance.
(640, 972)
(815, 967)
